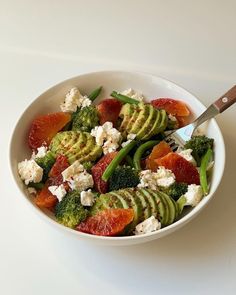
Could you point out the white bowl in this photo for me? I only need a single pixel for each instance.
(151, 87)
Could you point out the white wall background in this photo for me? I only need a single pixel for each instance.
(194, 37)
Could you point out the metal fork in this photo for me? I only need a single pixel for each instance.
(177, 138)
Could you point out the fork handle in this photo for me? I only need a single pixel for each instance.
(226, 100)
(220, 105)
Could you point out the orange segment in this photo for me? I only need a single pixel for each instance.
(183, 170)
(158, 151)
(45, 199)
(108, 110)
(45, 127)
(110, 222)
(171, 106)
(183, 120)
(98, 170)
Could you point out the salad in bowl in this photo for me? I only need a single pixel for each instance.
(100, 164)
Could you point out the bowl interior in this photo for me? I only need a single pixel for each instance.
(151, 87)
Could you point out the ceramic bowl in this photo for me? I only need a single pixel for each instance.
(152, 87)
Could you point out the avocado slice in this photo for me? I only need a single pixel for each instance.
(164, 203)
(88, 146)
(68, 139)
(132, 120)
(112, 202)
(115, 202)
(152, 202)
(135, 203)
(155, 125)
(162, 214)
(73, 138)
(101, 204)
(164, 121)
(141, 119)
(85, 150)
(148, 124)
(176, 208)
(126, 113)
(95, 153)
(57, 143)
(108, 201)
(145, 204)
(123, 201)
(171, 207)
(75, 146)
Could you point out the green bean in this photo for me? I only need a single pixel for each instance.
(140, 150)
(129, 161)
(116, 161)
(94, 94)
(203, 171)
(124, 98)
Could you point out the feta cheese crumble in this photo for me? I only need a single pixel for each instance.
(41, 152)
(72, 170)
(130, 137)
(163, 177)
(133, 94)
(148, 179)
(187, 155)
(107, 137)
(87, 198)
(30, 171)
(58, 191)
(85, 102)
(78, 178)
(193, 195)
(73, 100)
(81, 181)
(149, 225)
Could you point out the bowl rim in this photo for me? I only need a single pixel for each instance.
(163, 231)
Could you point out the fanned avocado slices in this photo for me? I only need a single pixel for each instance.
(75, 145)
(142, 119)
(144, 202)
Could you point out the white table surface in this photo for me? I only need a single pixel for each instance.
(192, 44)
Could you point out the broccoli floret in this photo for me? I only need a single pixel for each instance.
(123, 177)
(69, 210)
(46, 163)
(199, 144)
(85, 119)
(176, 190)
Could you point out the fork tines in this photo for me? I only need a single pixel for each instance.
(172, 143)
